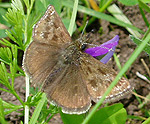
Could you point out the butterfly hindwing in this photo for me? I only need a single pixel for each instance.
(67, 89)
(98, 77)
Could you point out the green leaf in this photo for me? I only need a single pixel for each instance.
(17, 5)
(40, 7)
(72, 118)
(1, 109)
(144, 16)
(4, 75)
(147, 121)
(144, 6)
(5, 55)
(2, 20)
(102, 3)
(2, 116)
(57, 4)
(117, 13)
(138, 42)
(4, 5)
(2, 33)
(34, 100)
(135, 117)
(10, 107)
(38, 110)
(40, 4)
(146, 1)
(66, 22)
(132, 2)
(114, 114)
(129, 2)
(45, 112)
(100, 15)
(5, 42)
(14, 17)
(4, 89)
(73, 17)
(107, 115)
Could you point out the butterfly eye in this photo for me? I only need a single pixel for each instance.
(83, 47)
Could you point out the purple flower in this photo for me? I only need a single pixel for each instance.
(107, 48)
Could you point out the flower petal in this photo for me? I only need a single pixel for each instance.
(104, 48)
(106, 58)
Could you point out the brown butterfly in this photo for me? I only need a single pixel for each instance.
(70, 77)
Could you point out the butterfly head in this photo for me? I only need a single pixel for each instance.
(83, 42)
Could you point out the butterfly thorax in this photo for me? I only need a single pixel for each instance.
(73, 53)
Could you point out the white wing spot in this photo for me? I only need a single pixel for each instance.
(52, 12)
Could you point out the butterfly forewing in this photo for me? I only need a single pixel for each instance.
(50, 29)
(49, 39)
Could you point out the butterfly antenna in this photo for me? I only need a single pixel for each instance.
(84, 28)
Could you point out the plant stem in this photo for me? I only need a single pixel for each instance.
(73, 18)
(29, 8)
(26, 116)
(16, 95)
(105, 6)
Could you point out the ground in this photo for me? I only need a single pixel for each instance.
(123, 51)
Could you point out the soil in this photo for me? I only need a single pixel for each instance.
(123, 51)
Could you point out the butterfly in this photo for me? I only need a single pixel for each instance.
(70, 77)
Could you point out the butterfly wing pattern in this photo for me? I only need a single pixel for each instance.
(49, 38)
(98, 77)
(68, 90)
(70, 78)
